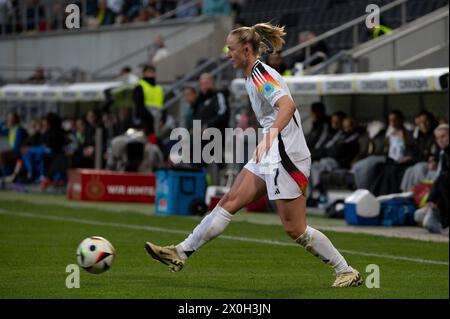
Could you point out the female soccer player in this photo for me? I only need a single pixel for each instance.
(280, 165)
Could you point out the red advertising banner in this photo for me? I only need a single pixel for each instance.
(111, 186)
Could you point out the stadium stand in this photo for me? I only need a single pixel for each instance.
(178, 70)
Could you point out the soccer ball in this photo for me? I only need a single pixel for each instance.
(95, 254)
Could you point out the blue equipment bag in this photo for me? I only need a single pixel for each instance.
(398, 211)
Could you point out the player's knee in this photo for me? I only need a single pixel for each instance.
(294, 231)
(228, 202)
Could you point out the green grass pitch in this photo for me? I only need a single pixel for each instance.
(38, 241)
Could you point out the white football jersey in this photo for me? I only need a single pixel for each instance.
(265, 87)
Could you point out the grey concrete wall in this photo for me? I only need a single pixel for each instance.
(417, 45)
(207, 43)
(92, 49)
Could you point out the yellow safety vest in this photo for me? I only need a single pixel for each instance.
(153, 95)
(379, 29)
(287, 73)
(12, 136)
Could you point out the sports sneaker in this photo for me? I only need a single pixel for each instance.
(168, 255)
(348, 279)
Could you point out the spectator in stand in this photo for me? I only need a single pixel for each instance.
(88, 147)
(160, 50)
(216, 8)
(319, 50)
(335, 134)
(34, 133)
(189, 107)
(35, 137)
(186, 12)
(140, 11)
(275, 60)
(108, 11)
(212, 109)
(83, 155)
(6, 8)
(425, 146)
(379, 30)
(38, 76)
(16, 137)
(423, 135)
(35, 16)
(236, 7)
(399, 153)
(320, 127)
(91, 126)
(340, 152)
(54, 160)
(107, 127)
(47, 161)
(436, 220)
(128, 76)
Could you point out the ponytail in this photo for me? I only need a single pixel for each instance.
(263, 37)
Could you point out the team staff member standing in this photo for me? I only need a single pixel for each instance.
(149, 99)
(280, 165)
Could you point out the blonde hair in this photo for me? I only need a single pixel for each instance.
(443, 127)
(263, 37)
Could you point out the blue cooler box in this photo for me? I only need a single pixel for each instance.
(362, 208)
(178, 190)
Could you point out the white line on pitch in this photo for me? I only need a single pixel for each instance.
(244, 239)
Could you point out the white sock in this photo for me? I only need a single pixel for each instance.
(320, 246)
(209, 228)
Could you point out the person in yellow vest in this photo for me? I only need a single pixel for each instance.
(378, 31)
(149, 99)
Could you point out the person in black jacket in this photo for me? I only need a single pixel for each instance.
(424, 147)
(436, 220)
(320, 130)
(339, 153)
(212, 108)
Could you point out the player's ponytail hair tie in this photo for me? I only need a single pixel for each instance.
(263, 37)
(264, 40)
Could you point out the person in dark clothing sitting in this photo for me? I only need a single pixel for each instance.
(436, 219)
(399, 156)
(339, 154)
(47, 161)
(424, 147)
(16, 136)
(320, 130)
(335, 133)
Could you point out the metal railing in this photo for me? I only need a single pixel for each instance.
(176, 88)
(47, 70)
(353, 23)
(350, 24)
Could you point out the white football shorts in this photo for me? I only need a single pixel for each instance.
(285, 179)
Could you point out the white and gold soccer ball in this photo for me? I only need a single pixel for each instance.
(95, 254)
